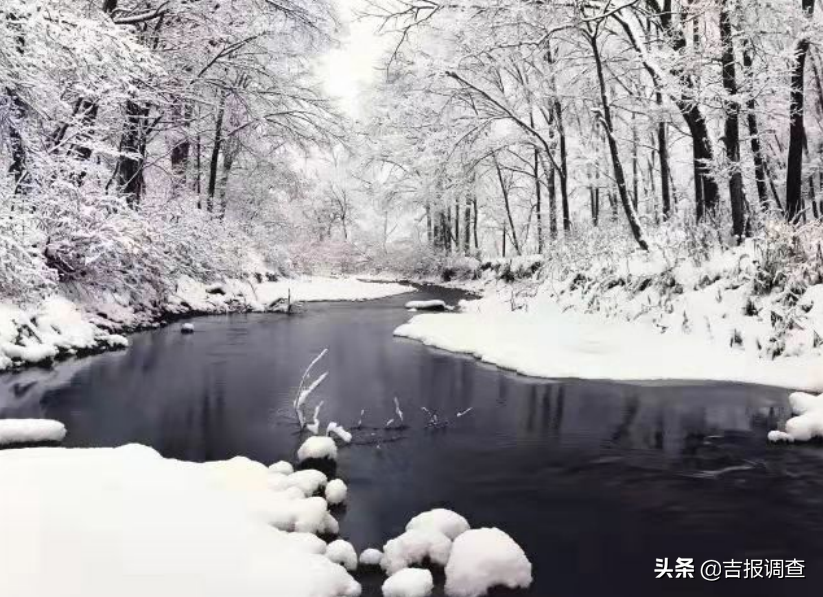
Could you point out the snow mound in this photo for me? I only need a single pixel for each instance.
(187, 328)
(435, 305)
(282, 467)
(308, 481)
(307, 542)
(30, 431)
(413, 547)
(317, 447)
(410, 582)
(451, 524)
(485, 558)
(341, 552)
(128, 509)
(807, 425)
(371, 557)
(336, 492)
(318, 288)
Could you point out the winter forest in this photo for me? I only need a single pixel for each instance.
(476, 256)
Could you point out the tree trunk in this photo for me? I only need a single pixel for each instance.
(538, 193)
(619, 174)
(181, 146)
(17, 113)
(732, 125)
(754, 137)
(663, 153)
(797, 129)
(557, 113)
(132, 159)
(215, 153)
(505, 191)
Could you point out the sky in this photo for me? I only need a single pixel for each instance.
(351, 68)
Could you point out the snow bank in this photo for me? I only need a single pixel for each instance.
(341, 552)
(144, 525)
(807, 425)
(414, 547)
(336, 492)
(30, 431)
(546, 342)
(410, 582)
(308, 481)
(434, 305)
(371, 557)
(282, 467)
(484, 558)
(314, 289)
(445, 521)
(317, 447)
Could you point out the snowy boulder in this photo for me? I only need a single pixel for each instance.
(336, 492)
(485, 558)
(317, 447)
(308, 481)
(410, 582)
(415, 547)
(341, 552)
(371, 557)
(807, 425)
(30, 431)
(447, 522)
(435, 305)
(282, 467)
(330, 525)
(187, 328)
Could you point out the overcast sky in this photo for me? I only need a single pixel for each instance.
(353, 66)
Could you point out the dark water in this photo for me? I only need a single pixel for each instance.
(595, 480)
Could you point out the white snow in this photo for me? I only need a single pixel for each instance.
(126, 522)
(484, 558)
(282, 467)
(341, 552)
(409, 582)
(547, 342)
(310, 289)
(308, 481)
(371, 557)
(187, 328)
(808, 422)
(30, 431)
(413, 547)
(336, 492)
(447, 522)
(317, 446)
(433, 305)
(340, 431)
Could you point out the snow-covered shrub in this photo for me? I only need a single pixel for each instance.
(23, 271)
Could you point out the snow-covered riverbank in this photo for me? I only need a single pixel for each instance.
(76, 321)
(642, 319)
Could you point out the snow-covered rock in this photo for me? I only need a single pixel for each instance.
(371, 557)
(30, 431)
(409, 582)
(484, 558)
(414, 547)
(434, 305)
(447, 522)
(341, 552)
(317, 447)
(282, 467)
(65, 512)
(187, 328)
(308, 481)
(336, 492)
(808, 422)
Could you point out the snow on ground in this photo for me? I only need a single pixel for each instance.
(414, 547)
(317, 447)
(546, 341)
(146, 526)
(80, 320)
(30, 431)
(484, 558)
(312, 289)
(808, 422)
(409, 582)
(451, 524)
